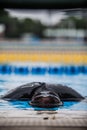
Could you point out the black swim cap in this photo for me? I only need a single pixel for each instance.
(46, 99)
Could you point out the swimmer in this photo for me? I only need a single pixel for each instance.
(43, 95)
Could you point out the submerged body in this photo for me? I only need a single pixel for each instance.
(43, 95)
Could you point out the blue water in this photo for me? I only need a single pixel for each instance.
(77, 82)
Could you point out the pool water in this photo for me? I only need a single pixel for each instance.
(77, 82)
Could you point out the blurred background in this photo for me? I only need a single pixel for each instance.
(43, 36)
(43, 45)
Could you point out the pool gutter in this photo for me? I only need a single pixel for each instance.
(43, 120)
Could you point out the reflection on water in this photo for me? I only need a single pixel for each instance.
(24, 105)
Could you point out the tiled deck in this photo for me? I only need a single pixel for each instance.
(43, 120)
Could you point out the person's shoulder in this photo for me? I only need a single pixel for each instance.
(31, 84)
(57, 85)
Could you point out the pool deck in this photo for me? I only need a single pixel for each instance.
(43, 120)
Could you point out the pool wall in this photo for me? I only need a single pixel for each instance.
(60, 120)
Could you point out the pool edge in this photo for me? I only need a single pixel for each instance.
(61, 120)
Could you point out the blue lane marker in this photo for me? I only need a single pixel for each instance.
(72, 70)
(21, 70)
(39, 70)
(84, 69)
(5, 69)
(56, 70)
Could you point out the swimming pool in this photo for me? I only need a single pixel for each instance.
(77, 82)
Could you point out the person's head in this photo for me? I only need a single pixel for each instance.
(46, 99)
